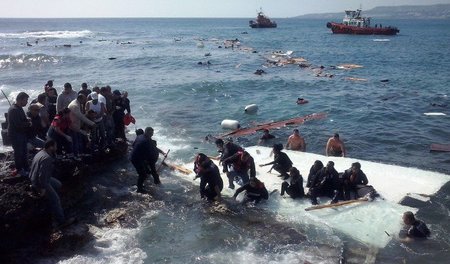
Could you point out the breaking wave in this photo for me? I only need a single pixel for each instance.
(65, 34)
(23, 60)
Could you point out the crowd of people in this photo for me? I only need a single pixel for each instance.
(80, 123)
(72, 124)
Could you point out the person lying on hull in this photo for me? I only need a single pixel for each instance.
(295, 188)
(240, 164)
(255, 191)
(226, 150)
(211, 183)
(335, 147)
(281, 163)
(325, 183)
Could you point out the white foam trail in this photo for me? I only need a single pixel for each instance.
(113, 246)
(65, 34)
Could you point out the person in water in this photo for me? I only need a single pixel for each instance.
(295, 188)
(353, 178)
(266, 136)
(144, 156)
(241, 163)
(417, 228)
(324, 183)
(226, 150)
(281, 163)
(296, 142)
(211, 183)
(335, 147)
(255, 191)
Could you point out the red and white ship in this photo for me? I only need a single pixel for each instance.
(354, 23)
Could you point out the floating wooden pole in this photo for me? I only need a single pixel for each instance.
(336, 204)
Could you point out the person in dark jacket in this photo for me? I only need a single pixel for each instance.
(315, 168)
(120, 106)
(211, 183)
(241, 164)
(281, 162)
(226, 149)
(324, 183)
(144, 155)
(255, 191)
(353, 179)
(18, 126)
(43, 182)
(295, 189)
(417, 228)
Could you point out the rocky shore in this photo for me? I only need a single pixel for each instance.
(89, 194)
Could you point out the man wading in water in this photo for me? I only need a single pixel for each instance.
(144, 156)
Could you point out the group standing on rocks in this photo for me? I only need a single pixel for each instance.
(71, 125)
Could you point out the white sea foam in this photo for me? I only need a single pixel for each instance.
(112, 246)
(65, 34)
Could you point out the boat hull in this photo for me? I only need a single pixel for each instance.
(338, 28)
(258, 25)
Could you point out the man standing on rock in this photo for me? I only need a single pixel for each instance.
(18, 126)
(144, 156)
(42, 180)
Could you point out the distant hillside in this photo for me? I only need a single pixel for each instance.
(439, 11)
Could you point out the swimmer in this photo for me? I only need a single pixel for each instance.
(418, 229)
(296, 142)
(335, 147)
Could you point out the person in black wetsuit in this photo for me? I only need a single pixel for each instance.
(281, 163)
(418, 229)
(295, 189)
(315, 168)
(353, 179)
(240, 164)
(227, 150)
(211, 183)
(144, 156)
(255, 191)
(324, 183)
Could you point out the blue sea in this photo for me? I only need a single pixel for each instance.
(380, 118)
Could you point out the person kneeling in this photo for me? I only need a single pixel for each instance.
(255, 191)
(295, 189)
(211, 183)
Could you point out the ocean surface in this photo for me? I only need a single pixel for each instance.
(156, 61)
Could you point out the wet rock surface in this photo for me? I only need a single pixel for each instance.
(26, 230)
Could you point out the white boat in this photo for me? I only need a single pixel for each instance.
(372, 223)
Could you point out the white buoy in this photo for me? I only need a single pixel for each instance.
(230, 124)
(251, 109)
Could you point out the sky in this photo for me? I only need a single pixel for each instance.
(186, 8)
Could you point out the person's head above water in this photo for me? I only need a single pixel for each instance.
(408, 218)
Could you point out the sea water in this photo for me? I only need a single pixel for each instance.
(156, 61)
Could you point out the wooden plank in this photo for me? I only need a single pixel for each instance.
(440, 147)
(178, 168)
(336, 204)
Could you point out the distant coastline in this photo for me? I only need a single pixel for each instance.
(438, 11)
